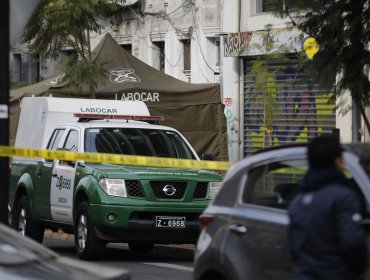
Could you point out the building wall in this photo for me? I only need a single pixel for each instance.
(344, 117)
(143, 24)
(231, 76)
(24, 68)
(171, 22)
(251, 22)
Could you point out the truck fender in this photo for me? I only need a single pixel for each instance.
(25, 187)
(87, 189)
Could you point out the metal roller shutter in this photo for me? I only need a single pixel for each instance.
(299, 109)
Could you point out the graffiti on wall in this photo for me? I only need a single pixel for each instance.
(248, 43)
(303, 112)
(230, 123)
(235, 43)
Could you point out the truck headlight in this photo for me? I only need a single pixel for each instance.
(214, 187)
(114, 187)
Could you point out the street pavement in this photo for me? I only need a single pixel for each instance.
(163, 262)
(187, 249)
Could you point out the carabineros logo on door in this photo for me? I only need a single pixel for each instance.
(63, 183)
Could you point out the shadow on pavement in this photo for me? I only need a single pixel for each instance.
(121, 252)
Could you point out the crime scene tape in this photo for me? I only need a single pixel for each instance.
(6, 151)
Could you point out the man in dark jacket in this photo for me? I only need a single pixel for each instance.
(326, 238)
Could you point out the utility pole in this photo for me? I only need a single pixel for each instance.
(231, 84)
(4, 105)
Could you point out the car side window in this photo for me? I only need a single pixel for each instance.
(274, 184)
(55, 139)
(71, 142)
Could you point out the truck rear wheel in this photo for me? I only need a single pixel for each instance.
(23, 223)
(87, 245)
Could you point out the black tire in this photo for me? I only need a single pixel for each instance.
(23, 223)
(140, 246)
(87, 245)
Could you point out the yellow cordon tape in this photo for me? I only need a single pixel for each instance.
(6, 151)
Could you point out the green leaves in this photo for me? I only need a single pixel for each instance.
(57, 24)
(342, 28)
(81, 73)
(265, 87)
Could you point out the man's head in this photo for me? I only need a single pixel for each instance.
(325, 151)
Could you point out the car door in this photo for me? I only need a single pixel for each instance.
(43, 177)
(258, 222)
(62, 183)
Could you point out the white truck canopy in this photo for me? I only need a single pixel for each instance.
(39, 115)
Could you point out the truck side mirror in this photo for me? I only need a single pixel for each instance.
(207, 157)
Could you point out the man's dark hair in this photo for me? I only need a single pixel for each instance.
(323, 150)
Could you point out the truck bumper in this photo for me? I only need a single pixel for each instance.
(140, 224)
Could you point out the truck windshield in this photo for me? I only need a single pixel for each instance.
(135, 141)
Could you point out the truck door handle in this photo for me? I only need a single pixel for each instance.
(238, 229)
(54, 175)
(39, 172)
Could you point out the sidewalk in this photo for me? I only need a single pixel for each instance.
(58, 235)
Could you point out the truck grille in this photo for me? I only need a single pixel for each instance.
(201, 190)
(175, 190)
(133, 188)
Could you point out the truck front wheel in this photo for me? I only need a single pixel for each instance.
(23, 223)
(87, 245)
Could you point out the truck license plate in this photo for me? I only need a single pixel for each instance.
(170, 222)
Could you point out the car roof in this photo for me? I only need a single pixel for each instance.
(287, 152)
(264, 154)
(362, 150)
(274, 148)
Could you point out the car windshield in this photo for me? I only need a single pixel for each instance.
(137, 141)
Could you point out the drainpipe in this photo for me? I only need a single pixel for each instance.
(231, 80)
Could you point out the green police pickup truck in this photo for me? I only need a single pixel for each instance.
(99, 202)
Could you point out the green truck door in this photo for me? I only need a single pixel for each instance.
(42, 188)
(62, 183)
(42, 178)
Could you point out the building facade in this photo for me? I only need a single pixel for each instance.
(271, 102)
(219, 41)
(178, 37)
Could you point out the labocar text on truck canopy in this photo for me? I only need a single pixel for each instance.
(101, 202)
(39, 115)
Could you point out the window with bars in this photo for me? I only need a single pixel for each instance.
(127, 47)
(187, 54)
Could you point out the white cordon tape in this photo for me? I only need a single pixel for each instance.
(6, 151)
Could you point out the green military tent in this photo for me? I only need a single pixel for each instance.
(195, 110)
